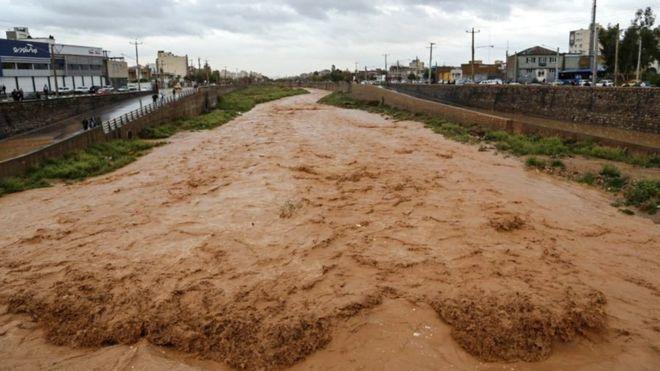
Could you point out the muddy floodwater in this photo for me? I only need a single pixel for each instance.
(311, 237)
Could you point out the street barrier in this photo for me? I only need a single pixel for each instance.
(118, 122)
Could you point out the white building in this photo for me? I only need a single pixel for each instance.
(579, 41)
(172, 65)
(26, 64)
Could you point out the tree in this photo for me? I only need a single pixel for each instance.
(412, 76)
(640, 27)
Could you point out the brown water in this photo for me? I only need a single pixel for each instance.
(313, 237)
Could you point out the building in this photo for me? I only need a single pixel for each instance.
(578, 67)
(26, 63)
(579, 41)
(482, 71)
(536, 64)
(116, 71)
(443, 75)
(171, 66)
(23, 33)
(145, 73)
(417, 66)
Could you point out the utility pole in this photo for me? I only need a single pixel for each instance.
(54, 67)
(639, 55)
(225, 74)
(385, 55)
(557, 66)
(472, 60)
(207, 68)
(355, 77)
(616, 57)
(430, 61)
(594, 46)
(137, 62)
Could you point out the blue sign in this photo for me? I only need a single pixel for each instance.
(15, 48)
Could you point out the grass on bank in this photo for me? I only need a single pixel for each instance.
(229, 106)
(644, 194)
(94, 160)
(105, 157)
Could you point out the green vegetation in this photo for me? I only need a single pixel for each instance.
(536, 163)
(558, 164)
(612, 178)
(229, 106)
(202, 122)
(95, 160)
(643, 194)
(588, 178)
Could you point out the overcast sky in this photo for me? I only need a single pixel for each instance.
(286, 37)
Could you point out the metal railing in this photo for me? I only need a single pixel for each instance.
(117, 122)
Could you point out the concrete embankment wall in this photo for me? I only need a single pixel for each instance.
(468, 117)
(633, 109)
(189, 106)
(20, 117)
(409, 103)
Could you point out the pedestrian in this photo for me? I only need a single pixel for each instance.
(155, 98)
(46, 90)
(85, 124)
(3, 91)
(21, 95)
(14, 95)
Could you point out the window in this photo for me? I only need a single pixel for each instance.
(84, 66)
(8, 66)
(73, 67)
(553, 59)
(41, 66)
(24, 66)
(95, 67)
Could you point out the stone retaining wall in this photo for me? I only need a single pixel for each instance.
(633, 109)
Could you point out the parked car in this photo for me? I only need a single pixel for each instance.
(491, 82)
(65, 90)
(638, 83)
(81, 90)
(605, 83)
(104, 91)
(122, 89)
(93, 89)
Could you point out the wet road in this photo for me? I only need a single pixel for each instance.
(33, 140)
